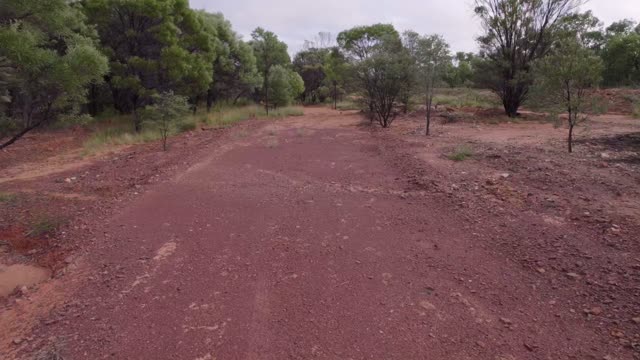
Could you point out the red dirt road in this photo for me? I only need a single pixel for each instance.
(307, 241)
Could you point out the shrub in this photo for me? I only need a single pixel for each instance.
(461, 153)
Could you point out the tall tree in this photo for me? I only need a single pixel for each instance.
(432, 60)
(269, 51)
(621, 56)
(235, 72)
(516, 34)
(564, 78)
(52, 51)
(153, 46)
(337, 73)
(285, 85)
(381, 65)
(310, 64)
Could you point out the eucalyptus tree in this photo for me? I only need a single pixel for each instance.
(269, 51)
(564, 78)
(153, 46)
(53, 58)
(432, 61)
(381, 66)
(235, 72)
(516, 34)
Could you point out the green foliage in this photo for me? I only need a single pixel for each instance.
(7, 197)
(235, 71)
(284, 86)
(6, 78)
(466, 97)
(516, 34)
(360, 42)
(310, 64)
(563, 79)
(382, 68)
(621, 56)
(164, 114)
(635, 109)
(52, 51)
(269, 52)
(153, 45)
(44, 225)
(461, 153)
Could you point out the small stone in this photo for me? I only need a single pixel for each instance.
(505, 175)
(481, 344)
(617, 333)
(506, 321)
(17, 341)
(541, 270)
(573, 275)
(593, 311)
(427, 305)
(636, 320)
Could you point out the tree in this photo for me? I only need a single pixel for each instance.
(235, 72)
(285, 85)
(153, 46)
(622, 27)
(621, 57)
(6, 78)
(52, 51)
(585, 27)
(164, 114)
(269, 52)
(460, 71)
(382, 74)
(516, 34)
(564, 77)
(310, 64)
(432, 59)
(336, 71)
(381, 67)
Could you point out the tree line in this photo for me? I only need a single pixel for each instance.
(64, 60)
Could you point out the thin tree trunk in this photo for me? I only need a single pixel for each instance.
(24, 131)
(570, 138)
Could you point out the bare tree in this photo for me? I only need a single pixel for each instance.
(516, 33)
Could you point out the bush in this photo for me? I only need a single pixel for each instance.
(461, 153)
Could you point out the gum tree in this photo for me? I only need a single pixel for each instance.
(563, 79)
(516, 34)
(165, 112)
(54, 59)
(432, 59)
(269, 51)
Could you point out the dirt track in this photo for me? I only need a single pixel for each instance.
(310, 239)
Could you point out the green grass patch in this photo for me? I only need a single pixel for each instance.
(118, 130)
(346, 105)
(465, 97)
(635, 110)
(225, 116)
(461, 153)
(7, 197)
(44, 225)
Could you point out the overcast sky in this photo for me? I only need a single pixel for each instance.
(294, 20)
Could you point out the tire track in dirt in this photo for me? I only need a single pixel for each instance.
(311, 246)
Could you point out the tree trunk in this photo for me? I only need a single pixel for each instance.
(511, 101)
(335, 95)
(570, 138)
(30, 127)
